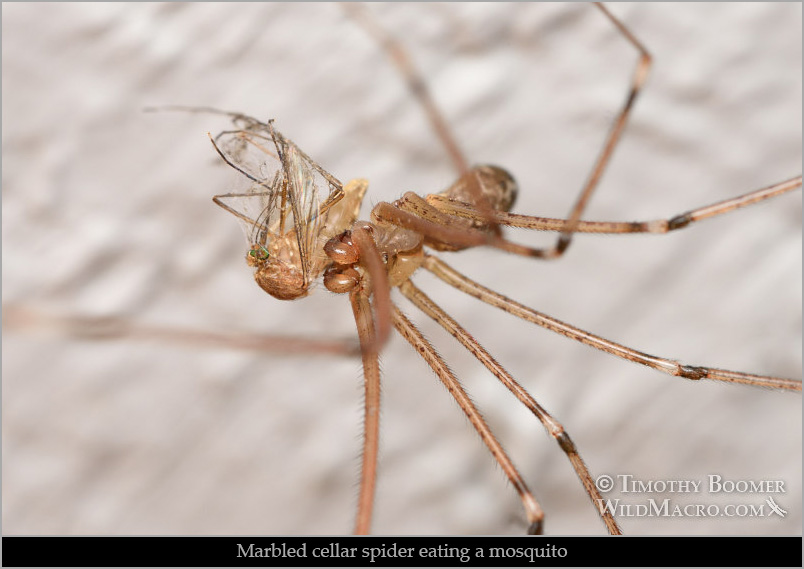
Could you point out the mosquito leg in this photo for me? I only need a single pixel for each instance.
(466, 211)
(671, 367)
(371, 426)
(553, 427)
(237, 167)
(218, 200)
(426, 350)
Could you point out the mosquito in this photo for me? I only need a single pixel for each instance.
(537, 379)
(367, 259)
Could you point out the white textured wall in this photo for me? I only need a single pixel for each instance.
(106, 210)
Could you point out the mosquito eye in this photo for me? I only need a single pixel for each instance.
(259, 254)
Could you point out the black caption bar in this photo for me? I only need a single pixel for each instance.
(400, 551)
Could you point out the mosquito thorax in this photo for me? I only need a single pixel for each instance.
(280, 279)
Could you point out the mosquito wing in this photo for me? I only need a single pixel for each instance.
(284, 208)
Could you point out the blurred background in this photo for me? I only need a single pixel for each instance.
(107, 212)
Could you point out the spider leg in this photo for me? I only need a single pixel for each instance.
(671, 367)
(412, 334)
(371, 425)
(553, 427)
(466, 211)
